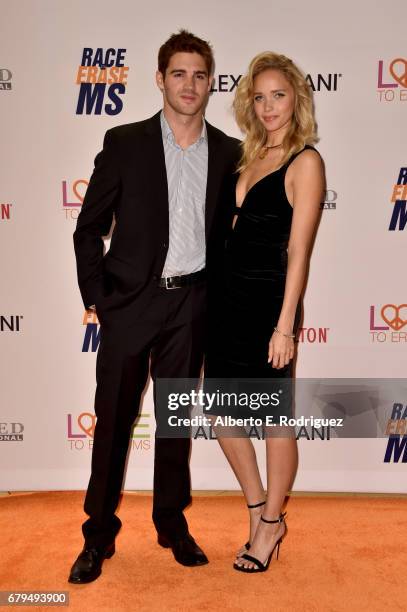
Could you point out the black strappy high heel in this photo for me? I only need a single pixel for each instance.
(247, 545)
(260, 566)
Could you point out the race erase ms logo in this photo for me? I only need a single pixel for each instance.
(91, 338)
(102, 80)
(397, 431)
(399, 200)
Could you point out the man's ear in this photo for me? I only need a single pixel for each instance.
(159, 80)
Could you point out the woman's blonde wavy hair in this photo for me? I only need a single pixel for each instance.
(302, 130)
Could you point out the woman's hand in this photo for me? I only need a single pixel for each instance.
(281, 350)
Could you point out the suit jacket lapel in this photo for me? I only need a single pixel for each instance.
(153, 167)
(215, 173)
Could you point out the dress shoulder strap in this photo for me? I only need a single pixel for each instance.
(292, 158)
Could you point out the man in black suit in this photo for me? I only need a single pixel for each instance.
(160, 180)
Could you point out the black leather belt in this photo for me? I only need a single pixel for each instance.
(176, 282)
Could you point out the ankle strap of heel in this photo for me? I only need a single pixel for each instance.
(279, 520)
(256, 505)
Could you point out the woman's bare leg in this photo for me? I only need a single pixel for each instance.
(282, 463)
(242, 458)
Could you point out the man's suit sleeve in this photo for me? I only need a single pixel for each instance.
(95, 220)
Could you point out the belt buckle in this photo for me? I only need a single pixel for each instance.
(168, 278)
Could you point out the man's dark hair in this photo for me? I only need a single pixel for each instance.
(184, 42)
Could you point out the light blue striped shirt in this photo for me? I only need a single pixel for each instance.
(187, 172)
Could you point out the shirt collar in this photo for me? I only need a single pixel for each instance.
(169, 135)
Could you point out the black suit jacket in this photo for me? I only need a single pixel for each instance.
(129, 184)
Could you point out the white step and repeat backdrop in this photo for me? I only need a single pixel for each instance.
(355, 321)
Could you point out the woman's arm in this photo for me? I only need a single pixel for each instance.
(307, 191)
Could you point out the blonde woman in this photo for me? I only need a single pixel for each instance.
(276, 196)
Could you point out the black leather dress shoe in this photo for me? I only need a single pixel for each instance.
(88, 565)
(185, 550)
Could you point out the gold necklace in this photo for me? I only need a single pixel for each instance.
(266, 148)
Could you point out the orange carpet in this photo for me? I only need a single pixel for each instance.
(341, 553)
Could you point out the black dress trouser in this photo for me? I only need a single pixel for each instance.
(168, 337)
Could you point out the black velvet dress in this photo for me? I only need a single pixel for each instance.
(250, 290)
